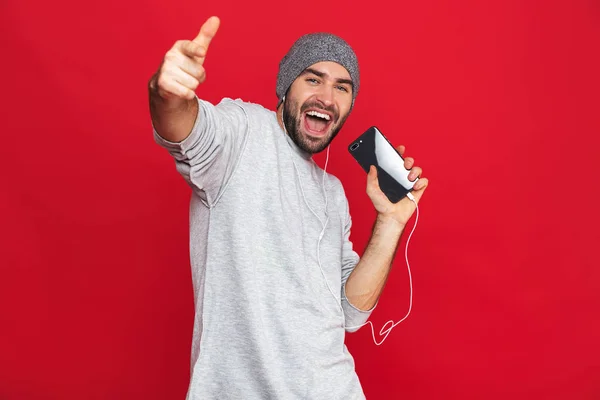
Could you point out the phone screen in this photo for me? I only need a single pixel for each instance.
(373, 148)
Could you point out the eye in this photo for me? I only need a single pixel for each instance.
(343, 89)
(312, 80)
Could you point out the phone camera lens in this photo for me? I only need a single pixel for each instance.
(354, 147)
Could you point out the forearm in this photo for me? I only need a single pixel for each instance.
(367, 280)
(174, 118)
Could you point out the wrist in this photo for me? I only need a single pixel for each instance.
(389, 222)
(173, 105)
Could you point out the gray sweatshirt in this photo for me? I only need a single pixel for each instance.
(270, 312)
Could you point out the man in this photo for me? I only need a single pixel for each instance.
(276, 282)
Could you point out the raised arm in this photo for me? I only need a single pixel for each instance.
(367, 280)
(173, 104)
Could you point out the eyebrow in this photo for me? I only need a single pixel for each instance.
(323, 74)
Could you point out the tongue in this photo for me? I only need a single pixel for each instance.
(316, 123)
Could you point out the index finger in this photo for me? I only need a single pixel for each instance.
(207, 32)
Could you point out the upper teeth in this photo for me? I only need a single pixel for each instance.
(318, 114)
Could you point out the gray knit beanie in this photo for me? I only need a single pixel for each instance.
(311, 49)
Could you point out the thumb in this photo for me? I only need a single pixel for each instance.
(207, 32)
(372, 181)
(372, 175)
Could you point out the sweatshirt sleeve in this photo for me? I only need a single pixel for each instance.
(208, 156)
(354, 317)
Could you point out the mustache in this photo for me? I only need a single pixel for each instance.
(330, 109)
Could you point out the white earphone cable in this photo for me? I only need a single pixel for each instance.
(387, 331)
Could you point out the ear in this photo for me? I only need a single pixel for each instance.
(280, 102)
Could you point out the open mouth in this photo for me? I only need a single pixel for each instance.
(317, 123)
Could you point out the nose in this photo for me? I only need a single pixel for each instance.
(325, 95)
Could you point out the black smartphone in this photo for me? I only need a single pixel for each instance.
(373, 148)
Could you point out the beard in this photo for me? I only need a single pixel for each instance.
(293, 125)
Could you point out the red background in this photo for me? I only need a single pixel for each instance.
(497, 101)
